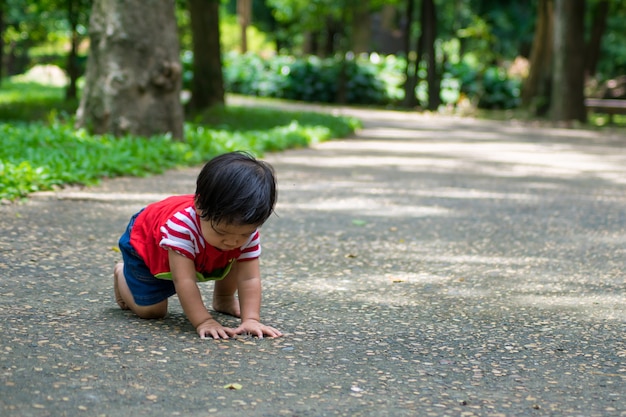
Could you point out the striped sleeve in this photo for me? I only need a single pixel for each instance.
(182, 234)
(252, 249)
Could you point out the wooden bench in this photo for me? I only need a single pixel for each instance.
(606, 106)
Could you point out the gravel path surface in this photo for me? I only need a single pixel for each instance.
(427, 266)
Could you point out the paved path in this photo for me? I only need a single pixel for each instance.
(427, 266)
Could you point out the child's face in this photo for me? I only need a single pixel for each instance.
(226, 236)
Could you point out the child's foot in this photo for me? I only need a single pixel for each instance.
(226, 304)
(119, 269)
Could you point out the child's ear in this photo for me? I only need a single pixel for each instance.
(195, 205)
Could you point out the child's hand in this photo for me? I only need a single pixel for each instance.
(257, 329)
(213, 329)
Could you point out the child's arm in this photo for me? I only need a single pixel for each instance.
(249, 291)
(184, 276)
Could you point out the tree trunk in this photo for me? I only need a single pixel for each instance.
(72, 58)
(537, 86)
(311, 43)
(335, 32)
(429, 35)
(2, 26)
(342, 77)
(568, 72)
(598, 27)
(410, 100)
(244, 15)
(133, 77)
(361, 27)
(208, 80)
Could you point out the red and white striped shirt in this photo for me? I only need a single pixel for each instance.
(174, 224)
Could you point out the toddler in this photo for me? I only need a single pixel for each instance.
(212, 235)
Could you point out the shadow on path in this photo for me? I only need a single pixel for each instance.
(425, 266)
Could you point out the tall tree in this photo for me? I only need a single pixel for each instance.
(568, 72)
(207, 87)
(133, 77)
(424, 54)
(77, 12)
(537, 86)
(427, 40)
(412, 60)
(244, 16)
(2, 26)
(342, 77)
(598, 27)
(361, 27)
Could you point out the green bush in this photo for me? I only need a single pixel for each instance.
(22, 99)
(254, 76)
(500, 91)
(312, 79)
(370, 80)
(492, 88)
(309, 79)
(36, 156)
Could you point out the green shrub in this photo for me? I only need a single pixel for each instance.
(25, 100)
(389, 71)
(41, 150)
(309, 79)
(252, 75)
(493, 88)
(36, 156)
(370, 80)
(500, 91)
(312, 79)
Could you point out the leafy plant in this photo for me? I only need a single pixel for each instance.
(38, 156)
(500, 91)
(309, 79)
(373, 80)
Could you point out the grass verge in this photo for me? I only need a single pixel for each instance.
(40, 151)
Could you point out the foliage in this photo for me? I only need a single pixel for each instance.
(24, 100)
(230, 32)
(250, 74)
(503, 28)
(491, 88)
(38, 156)
(613, 51)
(309, 14)
(35, 32)
(307, 79)
(372, 80)
(230, 36)
(499, 91)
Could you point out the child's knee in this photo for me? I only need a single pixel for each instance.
(157, 311)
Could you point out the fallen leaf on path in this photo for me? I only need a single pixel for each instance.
(233, 386)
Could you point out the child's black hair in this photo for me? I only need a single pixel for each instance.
(235, 188)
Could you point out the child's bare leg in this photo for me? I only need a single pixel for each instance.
(118, 297)
(125, 299)
(224, 299)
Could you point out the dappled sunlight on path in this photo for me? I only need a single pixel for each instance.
(428, 265)
(474, 209)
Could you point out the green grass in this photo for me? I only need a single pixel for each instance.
(28, 101)
(41, 151)
(252, 118)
